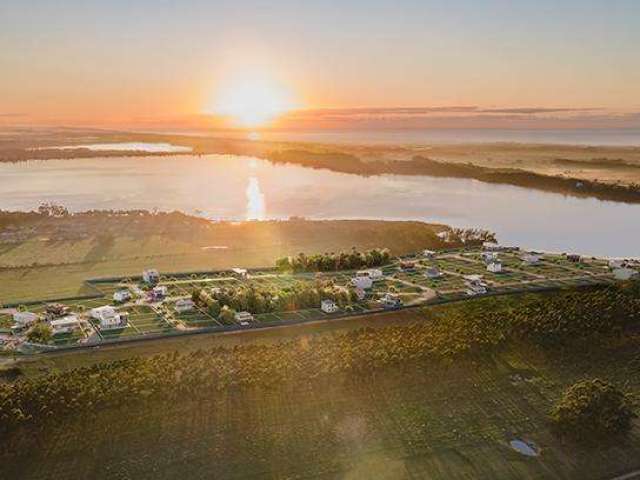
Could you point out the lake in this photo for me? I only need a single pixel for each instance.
(238, 188)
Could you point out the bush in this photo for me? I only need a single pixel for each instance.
(40, 333)
(591, 409)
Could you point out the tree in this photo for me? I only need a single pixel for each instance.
(592, 408)
(40, 333)
(227, 315)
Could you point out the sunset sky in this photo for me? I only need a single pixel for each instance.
(411, 63)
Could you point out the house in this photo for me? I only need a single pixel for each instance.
(23, 319)
(473, 279)
(432, 273)
(151, 276)
(531, 258)
(184, 305)
(362, 282)
(391, 301)
(373, 273)
(328, 306)
(494, 267)
(572, 257)
(488, 257)
(406, 265)
(492, 247)
(430, 254)
(107, 316)
(360, 294)
(475, 289)
(159, 292)
(624, 273)
(241, 272)
(243, 318)
(121, 296)
(65, 324)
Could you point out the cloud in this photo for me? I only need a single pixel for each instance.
(535, 110)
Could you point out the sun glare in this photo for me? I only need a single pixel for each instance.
(252, 102)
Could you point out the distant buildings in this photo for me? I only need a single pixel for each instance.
(489, 257)
(328, 306)
(240, 272)
(430, 254)
(373, 273)
(159, 292)
(575, 258)
(151, 276)
(475, 285)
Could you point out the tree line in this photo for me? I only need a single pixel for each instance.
(330, 262)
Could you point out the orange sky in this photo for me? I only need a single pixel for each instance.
(155, 64)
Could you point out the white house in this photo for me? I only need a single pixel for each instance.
(328, 306)
(624, 273)
(24, 318)
(489, 257)
(184, 305)
(107, 316)
(476, 289)
(241, 272)
(432, 272)
(362, 282)
(494, 267)
(65, 324)
(429, 254)
(391, 301)
(373, 273)
(243, 318)
(531, 258)
(472, 278)
(151, 276)
(160, 291)
(492, 247)
(121, 296)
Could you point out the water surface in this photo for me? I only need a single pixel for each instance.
(237, 188)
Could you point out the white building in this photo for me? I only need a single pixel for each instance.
(492, 247)
(494, 267)
(473, 279)
(489, 257)
(432, 272)
(373, 273)
(107, 316)
(531, 258)
(160, 291)
(243, 318)
(184, 305)
(121, 296)
(151, 276)
(65, 324)
(391, 301)
(241, 272)
(23, 319)
(328, 306)
(429, 254)
(624, 273)
(362, 282)
(475, 289)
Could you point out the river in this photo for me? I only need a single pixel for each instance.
(238, 188)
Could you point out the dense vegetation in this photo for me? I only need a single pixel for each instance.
(329, 262)
(591, 409)
(472, 327)
(259, 299)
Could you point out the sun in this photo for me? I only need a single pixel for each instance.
(252, 102)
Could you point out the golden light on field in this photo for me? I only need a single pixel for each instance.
(252, 101)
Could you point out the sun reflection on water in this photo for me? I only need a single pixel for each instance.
(256, 209)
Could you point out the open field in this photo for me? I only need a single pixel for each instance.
(47, 258)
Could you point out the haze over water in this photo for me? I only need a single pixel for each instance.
(239, 188)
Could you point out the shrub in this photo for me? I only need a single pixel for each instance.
(40, 333)
(591, 409)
